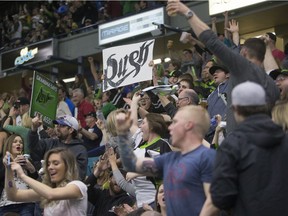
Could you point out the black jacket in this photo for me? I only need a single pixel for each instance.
(38, 148)
(250, 173)
(102, 200)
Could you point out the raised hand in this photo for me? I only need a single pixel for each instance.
(111, 155)
(123, 123)
(7, 159)
(136, 97)
(36, 122)
(90, 59)
(100, 124)
(127, 101)
(233, 26)
(174, 7)
(266, 39)
(101, 165)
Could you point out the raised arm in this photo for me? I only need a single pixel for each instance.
(10, 187)
(197, 25)
(36, 147)
(93, 68)
(134, 112)
(38, 189)
(146, 166)
(120, 179)
(11, 117)
(269, 62)
(226, 22)
(213, 26)
(234, 29)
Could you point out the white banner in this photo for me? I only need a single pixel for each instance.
(220, 6)
(128, 64)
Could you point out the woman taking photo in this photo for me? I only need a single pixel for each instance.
(60, 193)
(14, 144)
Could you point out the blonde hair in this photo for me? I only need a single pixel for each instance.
(111, 122)
(71, 170)
(199, 116)
(26, 120)
(279, 114)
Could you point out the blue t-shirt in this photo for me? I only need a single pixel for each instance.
(70, 105)
(184, 176)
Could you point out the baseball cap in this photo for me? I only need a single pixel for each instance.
(275, 73)
(22, 101)
(248, 94)
(218, 67)
(93, 114)
(67, 121)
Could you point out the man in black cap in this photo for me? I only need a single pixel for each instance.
(217, 100)
(23, 104)
(282, 82)
(91, 134)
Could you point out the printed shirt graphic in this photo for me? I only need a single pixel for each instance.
(184, 176)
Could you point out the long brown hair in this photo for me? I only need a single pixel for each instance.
(157, 124)
(8, 143)
(71, 170)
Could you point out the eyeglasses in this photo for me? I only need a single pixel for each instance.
(281, 78)
(184, 98)
(182, 86)
(62, 126)
(144, 99)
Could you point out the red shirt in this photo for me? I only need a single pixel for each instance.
(278, 54)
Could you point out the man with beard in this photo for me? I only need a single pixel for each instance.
(67, 130)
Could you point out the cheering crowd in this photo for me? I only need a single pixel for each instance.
(213, 142)
(22, 23)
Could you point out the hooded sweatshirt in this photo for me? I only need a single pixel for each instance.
(250, 173)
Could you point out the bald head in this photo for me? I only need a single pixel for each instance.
(187, 97)
(199, 116)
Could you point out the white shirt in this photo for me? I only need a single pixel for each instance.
(71, 207)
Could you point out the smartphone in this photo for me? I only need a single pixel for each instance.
(9, 160)
(223, 124)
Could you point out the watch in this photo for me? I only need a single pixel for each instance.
(189, 14)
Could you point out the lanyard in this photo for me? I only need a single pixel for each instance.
(150, 143)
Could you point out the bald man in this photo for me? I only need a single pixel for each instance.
(186, 97)
(186, 173)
